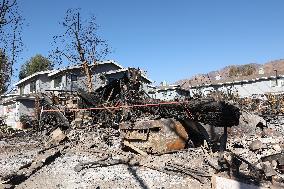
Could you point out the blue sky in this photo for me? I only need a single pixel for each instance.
(171, 39)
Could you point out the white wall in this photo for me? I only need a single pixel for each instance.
(42, 84)
(246, 89)
(10, 111)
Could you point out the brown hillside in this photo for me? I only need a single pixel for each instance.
(233, 72)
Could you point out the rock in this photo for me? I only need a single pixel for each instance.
(56, 137)
(82, 122)
(76, 122)
(270, 132)
(255, 145)
(277, 147)
(3, 143)
(274, 164)
(250, 122)
(5, 186)
(268, 169)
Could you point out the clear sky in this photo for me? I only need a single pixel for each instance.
(171, 39)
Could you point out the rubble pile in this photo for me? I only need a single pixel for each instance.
(128, 92)
(119, 137)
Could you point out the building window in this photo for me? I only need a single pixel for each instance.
(33, 87)
(273, 83)
(111, 79)
(281, 83)
(21, 89)
(57, 81)
(103, 79)
(74, 77)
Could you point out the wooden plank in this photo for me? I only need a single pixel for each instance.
(126, 143)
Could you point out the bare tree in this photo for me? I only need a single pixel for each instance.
(80, 43)
(10, 40)
(5, 68)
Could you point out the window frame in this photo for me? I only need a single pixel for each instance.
(57, 81)
(33, 86)
(72, 76)
(22, 89)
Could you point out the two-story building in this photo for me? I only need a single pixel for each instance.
(70, 79)
(66, 79)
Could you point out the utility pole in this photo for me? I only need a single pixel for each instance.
(276, 77)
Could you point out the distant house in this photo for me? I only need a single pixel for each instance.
(16, 106)
(168, 92)
(218, 77)
(244, 86)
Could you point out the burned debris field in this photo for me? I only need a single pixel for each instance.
(120, 137)
(197, 101)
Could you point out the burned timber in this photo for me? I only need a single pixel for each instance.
(119, 136)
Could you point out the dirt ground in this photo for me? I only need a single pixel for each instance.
(147, 171)
(61, 174)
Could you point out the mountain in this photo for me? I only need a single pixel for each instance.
(233, 72)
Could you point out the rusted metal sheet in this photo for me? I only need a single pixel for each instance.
(141, 125)
(156, 136)
(181, 137)
(138, 134)
(139, 130)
